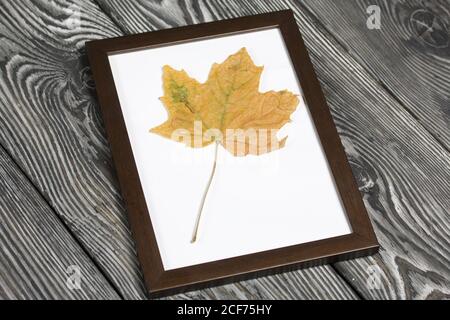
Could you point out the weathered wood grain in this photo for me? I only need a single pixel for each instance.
(35, 248)
(406, 56)
(402, 171)
(312, 284)
(50, 124)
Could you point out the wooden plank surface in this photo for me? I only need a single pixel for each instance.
(402, 170)
(36, 250)
(309, 284)
(50, 125)
(405, 55)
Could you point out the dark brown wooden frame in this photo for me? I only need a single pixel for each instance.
(362, 241)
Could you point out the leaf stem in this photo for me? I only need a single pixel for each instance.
(205, 194)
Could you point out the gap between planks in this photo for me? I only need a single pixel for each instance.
(363, 66)
(63, 224)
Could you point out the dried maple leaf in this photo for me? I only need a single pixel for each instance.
(229, 107)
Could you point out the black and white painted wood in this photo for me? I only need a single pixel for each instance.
(409, 55)
(36, 250)
(314, 283)
(51, 127)
(402, 170)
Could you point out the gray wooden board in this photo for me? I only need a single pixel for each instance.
(405, 55)
(51, 126)
(36, 250)
(402, 170)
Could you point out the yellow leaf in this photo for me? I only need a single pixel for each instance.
(228, 108)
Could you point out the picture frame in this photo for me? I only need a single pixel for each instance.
(110, 60)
